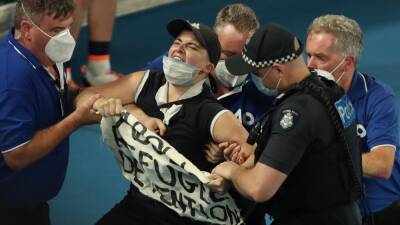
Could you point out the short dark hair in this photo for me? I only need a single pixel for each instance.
(36, 9)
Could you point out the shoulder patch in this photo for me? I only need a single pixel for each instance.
(288, 118)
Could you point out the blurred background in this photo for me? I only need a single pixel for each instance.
(94, 183)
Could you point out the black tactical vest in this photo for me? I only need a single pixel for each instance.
(337, 181)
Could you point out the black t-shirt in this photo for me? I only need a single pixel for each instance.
(189, 130)
(298, 124)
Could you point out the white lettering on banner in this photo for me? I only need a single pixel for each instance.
(159, 171)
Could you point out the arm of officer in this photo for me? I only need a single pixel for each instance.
(45, 140)
(258, 183)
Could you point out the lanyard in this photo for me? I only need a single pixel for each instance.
(59, 68)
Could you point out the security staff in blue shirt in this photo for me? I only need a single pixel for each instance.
(308, 163)
(334, 44)
(34, 115)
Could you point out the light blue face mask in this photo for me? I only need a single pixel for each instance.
(258, 82)
(179, 73)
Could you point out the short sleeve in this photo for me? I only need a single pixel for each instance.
(17, 116)
(382, 120)
(207, 116)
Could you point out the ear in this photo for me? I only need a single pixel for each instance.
(207, 69)
(279, 68)
(350, 61)
(25, 27)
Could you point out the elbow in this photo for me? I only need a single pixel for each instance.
(259, 194)
(14, 162)
(385, 172)
(15, 165)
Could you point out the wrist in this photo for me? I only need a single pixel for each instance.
(234, 170)
(74, 120)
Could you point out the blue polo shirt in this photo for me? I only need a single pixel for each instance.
(377, 125)
(29, 102)
(247, 103)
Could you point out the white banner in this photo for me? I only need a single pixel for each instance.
(159, 171)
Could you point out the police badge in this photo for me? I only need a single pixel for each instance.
(287, 118)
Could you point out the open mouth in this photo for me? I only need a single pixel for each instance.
(178, 58)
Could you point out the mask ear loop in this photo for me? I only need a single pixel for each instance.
(30, 19)
(338, 65)
(277, 85)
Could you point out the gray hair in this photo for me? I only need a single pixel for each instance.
(349, 36)
(37, 8)
(242, 17)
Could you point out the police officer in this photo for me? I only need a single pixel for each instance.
(308, 164)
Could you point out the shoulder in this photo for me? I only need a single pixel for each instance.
(299, 108)
(378, 88)
(301, 101)
(16, 75)
(378, 93)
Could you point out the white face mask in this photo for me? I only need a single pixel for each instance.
(60, 47)
(324, 73)
(259, 82)
(226, 78)
(336, 67)
(179, 73)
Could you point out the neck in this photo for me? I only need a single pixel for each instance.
(302, 72)
(41, 57)
(221, 89)
(175, 92)
(346, 80)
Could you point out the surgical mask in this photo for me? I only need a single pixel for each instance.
(60, 47)
(226, 78)
(324, 73)
(258, 81)
(336, 67)
(179, 73)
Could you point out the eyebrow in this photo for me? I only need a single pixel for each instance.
(190, 43)
(58, 28)
(320, 55)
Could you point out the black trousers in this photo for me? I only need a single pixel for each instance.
(388, 216)
(137, 209)
(37, 215)
(348, 214)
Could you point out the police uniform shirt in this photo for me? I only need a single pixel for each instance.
(299, 124)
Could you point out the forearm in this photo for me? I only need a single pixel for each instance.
(42, 143)
(244, 182)
(379, 162)
(136, 111)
